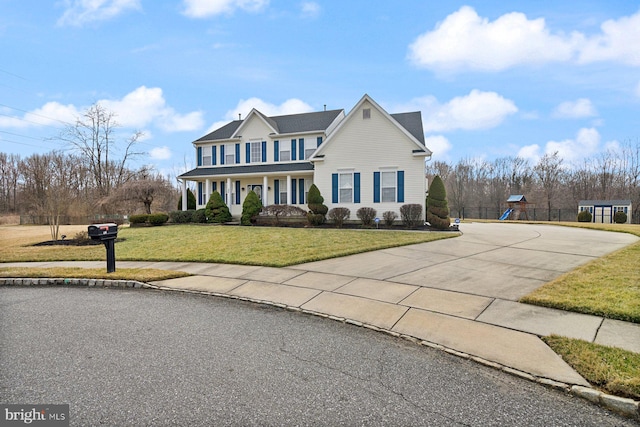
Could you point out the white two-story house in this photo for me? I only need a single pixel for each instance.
(366, 158)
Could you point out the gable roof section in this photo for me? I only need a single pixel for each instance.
(409, 123)
(412, 122)
(293, 123)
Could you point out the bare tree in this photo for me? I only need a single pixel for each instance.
(146, 189)
(94, 137)
(549, 172)
(48, 183)
(10, 174)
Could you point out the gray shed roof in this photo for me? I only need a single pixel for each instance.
(604, 202)
(292, 123)
(247, 169)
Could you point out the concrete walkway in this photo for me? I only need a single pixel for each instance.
(459, 293)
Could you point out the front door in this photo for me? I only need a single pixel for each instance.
(258, 190)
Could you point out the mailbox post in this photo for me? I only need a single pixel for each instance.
(106, 233)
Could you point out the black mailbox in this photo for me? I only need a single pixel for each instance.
(103, 231)
(107, 234)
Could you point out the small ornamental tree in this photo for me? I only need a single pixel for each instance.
(217, 210)
(317, 209)
(191, 201)
(251, 207)
(437, 208)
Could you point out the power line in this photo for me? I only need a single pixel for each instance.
(22, 136)
(34, 114)
(12, 74)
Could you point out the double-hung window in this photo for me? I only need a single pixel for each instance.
(256, 151)
(346, 187)
(285, 152)
(389, 186)
(229, 154)
(206, 157)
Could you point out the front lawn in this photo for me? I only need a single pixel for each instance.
(268, 246)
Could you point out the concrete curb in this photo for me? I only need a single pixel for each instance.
(627, 407)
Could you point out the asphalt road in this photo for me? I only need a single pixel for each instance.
(141, 357)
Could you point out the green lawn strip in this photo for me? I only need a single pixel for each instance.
(608, 287)
(139, 274)
(613, 370)
(267, 246)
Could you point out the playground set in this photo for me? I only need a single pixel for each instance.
(517, 208)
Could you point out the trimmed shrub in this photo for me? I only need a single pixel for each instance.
(339, 215)
(389, 217)
(366, 215)
(138, 219)
(158, 218)
(217, 210)
(316, 206)
(251, 207)
(437, 208)
(585, 216)
(200, 216)
(191, 201)
(411, 215)
(181, 217)
(620, 217)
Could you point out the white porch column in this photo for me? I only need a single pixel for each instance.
(207, 190)
(184, 194)
(265, 191)
(288, 189)
(227, 198)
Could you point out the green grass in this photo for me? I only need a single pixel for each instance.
(608, 286)
(613, 370)
(268, 246)
(139, 274)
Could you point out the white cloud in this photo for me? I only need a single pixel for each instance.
(531, 152)
(160, 153)
(464, 40)
(207, 8)
(618, 42)
(477, 110)
(50, 114)
(439, 145)
(585, 144)
(144, 106)
(578, 109)
(310, 9)
(137, 109)
(80, 12)
(244, 107)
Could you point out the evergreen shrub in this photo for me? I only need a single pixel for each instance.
(437, 207)
(585, 216)
(251, 207)
(138, 219)
(158, 218)
(217, 210)
(620, 217)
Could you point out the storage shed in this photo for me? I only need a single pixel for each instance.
(602, 211)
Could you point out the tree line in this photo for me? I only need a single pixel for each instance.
(92, 176)
(553, 187)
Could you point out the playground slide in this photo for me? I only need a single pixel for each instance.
(506, 214)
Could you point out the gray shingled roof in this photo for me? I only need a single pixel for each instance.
(293, 123)
(412, 122)
(604, 202)
(246, 169)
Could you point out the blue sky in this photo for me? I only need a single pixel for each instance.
(492, 79)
